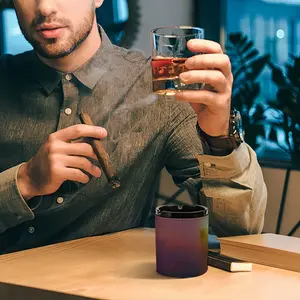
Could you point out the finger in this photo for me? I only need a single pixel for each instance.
(81, 140)
(212, 77)
(210, 99)
(79, 149)
(204, 46)
(83, 164)
(75, 175)
(210, 61)
(78, 131)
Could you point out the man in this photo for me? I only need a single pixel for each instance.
(51, 188)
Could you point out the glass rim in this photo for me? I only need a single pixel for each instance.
(153, 31)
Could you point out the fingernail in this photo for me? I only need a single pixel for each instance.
(190, 63)
(179, 94)
(185, 76)
(192, 42)
(102, 131)
(97, 171)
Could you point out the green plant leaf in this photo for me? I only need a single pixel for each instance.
(259, 113)
(240, 71)
(286, 100)
(253, 69)
(296, 61)
(251, 54)
(292, 114)
(277, 75)
(247, 46)
(258, 65)
(273, 135)
(243, 42)
(230, 47)
(252, 131)
(293, 75)
(275, 124)
(235, 38)
(297, 64)
(247, 65)
(255, 90)
(237, 102)
(260, 130)
(233, 55)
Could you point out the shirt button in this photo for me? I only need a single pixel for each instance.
(68, 77)
(68, 111)
(31, 229)
(60, 200)
(207, 165)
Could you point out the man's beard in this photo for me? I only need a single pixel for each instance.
(60, 48)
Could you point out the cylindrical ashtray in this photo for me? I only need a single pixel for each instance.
(181, 240)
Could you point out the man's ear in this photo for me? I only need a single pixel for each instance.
(98, 3)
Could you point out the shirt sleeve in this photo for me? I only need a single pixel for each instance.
(232, 187)
(13, 208)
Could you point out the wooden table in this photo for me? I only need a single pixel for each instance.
(122, 266)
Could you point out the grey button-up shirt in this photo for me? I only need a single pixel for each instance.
(145, 134)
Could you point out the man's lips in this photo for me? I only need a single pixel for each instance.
(49, 26)
(50, 31)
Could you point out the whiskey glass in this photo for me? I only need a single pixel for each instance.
(169, 53)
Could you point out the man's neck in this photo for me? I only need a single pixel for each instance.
(78, 57)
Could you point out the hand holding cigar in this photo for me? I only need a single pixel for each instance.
(58, 160)
(102, 155)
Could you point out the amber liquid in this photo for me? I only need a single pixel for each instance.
(165, 74)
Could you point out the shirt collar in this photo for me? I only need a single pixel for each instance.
(48, 77)
(89, 74)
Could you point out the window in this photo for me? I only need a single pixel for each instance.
(273, 26)
(12, 37)
(121, 12)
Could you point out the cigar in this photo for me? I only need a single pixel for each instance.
(102, 155)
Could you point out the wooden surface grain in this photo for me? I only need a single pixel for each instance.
(122, 266)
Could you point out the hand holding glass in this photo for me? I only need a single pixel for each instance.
(169, 53)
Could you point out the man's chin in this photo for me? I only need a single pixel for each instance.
(53, 54)
(59, 48)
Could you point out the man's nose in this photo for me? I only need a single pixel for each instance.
(46, 7)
